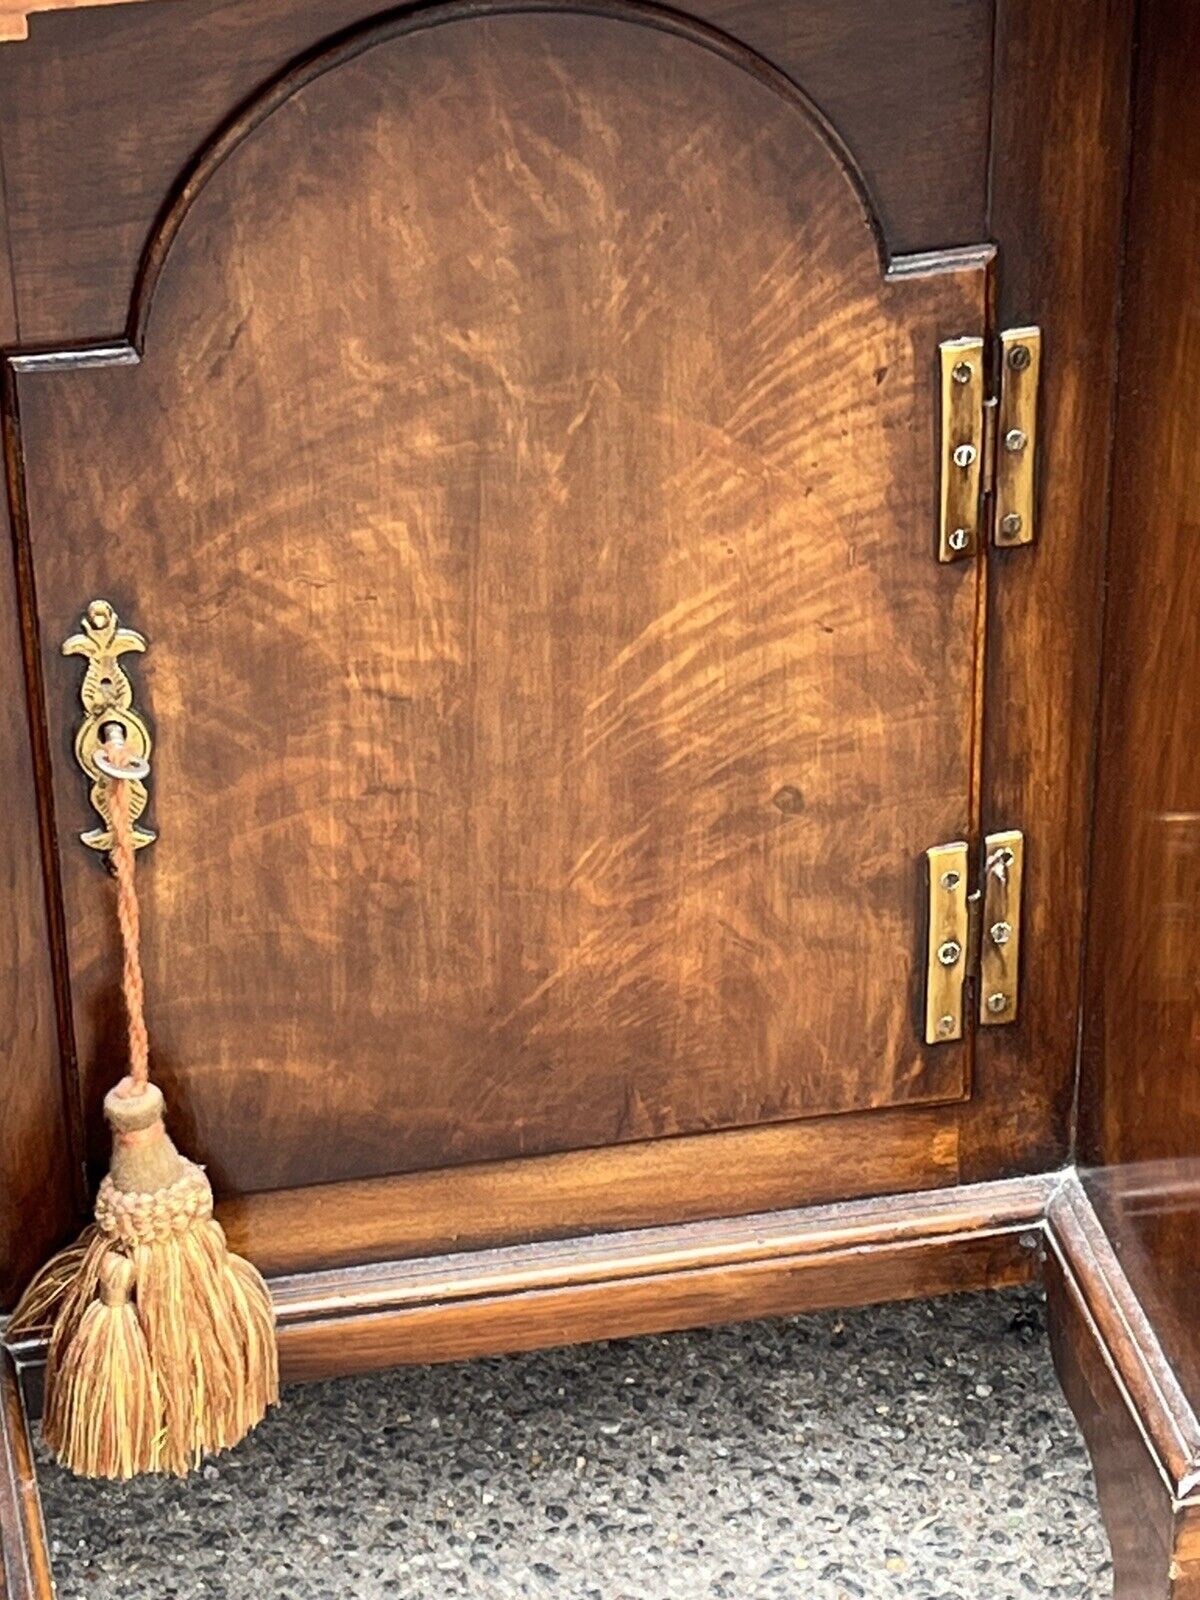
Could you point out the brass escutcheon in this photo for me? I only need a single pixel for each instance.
(107, 696)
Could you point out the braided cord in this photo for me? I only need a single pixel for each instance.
(128, 919)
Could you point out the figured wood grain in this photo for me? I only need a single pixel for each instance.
(908, 86)
(547, 660)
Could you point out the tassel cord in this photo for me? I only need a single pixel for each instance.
(128, 916)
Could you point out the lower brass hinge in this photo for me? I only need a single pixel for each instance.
(989, 443)
(974, 935)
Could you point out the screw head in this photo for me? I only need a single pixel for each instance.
(1019, 357)
(964, 455)
(1011, 524)
(945, 1027)
(997, 1003)
(1000, 932)
(961, 372)
(959, 538)
(950, 880)
(1015, 441)
(949, 952)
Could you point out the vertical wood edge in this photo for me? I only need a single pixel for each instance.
(41, 1173)
(1141, 1432)
(25, 1566)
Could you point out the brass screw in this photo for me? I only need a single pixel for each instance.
(959, 539)
(1011, 525)
(1019, 357)
(945, 1027)
(961, 372)
(950, 880)
(949, 952)
(964, 455)
(1001, 932)
(1015, 441)
(997, 1003)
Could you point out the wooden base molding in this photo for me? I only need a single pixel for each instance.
(1142, 1433)
(659, 1279)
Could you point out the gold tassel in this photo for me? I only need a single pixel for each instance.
(162, 1342)
(103, 1416)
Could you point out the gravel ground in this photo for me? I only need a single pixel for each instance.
(921, 1451)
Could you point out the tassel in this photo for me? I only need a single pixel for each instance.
(162, 1342)
(104, 1413)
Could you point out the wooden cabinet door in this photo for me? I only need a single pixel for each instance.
(524, 468)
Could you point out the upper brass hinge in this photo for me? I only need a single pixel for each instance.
(973, 935)
(988, 443)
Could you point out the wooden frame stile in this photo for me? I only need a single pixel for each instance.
(24, 1553)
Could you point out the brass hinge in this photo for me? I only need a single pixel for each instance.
(974, 935)
(989, 443)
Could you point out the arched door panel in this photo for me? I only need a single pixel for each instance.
(528, 488)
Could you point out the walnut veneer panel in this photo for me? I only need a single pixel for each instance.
(555, 690)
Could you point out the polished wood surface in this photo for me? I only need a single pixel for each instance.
(24, 1555)
(908, 87)
(562, 1196)
(484, 1326)
(554, 690)
(1140, 1428)
(1058, 177)
(1140, 1100)
(1153, 1391)
(82, 194)
(41, 1172)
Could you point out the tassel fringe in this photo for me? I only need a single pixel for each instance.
(104, 1411)
(44, 1294)
(162, 1350)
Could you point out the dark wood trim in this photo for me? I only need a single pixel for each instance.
(657, 1280)
(24, 1555)
(15, 14)
(1141, 1432)
(1077, 1238)
(42, 1191)
(1055, 209)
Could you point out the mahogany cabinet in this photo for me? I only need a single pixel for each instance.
(608, 490)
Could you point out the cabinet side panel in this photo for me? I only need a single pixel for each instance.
(1140, 1105)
